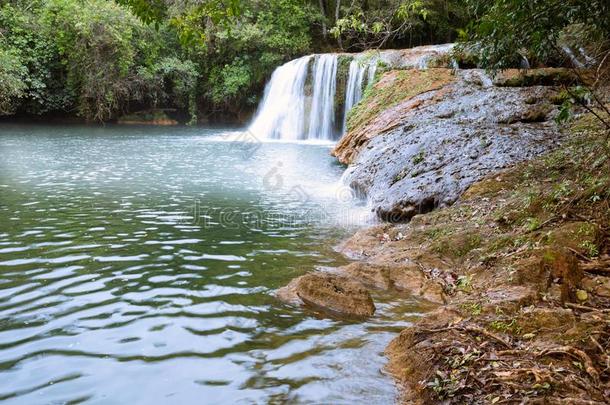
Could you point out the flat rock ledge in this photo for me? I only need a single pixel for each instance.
(331, 293)
(406, 278)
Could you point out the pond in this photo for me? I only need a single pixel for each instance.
(138, 264)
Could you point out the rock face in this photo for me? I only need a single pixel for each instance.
(424, 150)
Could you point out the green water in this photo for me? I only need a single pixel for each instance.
(137, 265)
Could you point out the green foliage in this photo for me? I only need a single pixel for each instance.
(39, 65)
(91, 57)
(399, 23)
(505, 326)
(507, 30)
(147, 10)
(171, 81)
(101, 59)
(96, 46)
(12, 85)
(239, 58)
(577, 95)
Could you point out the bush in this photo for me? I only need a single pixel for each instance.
(12, 85)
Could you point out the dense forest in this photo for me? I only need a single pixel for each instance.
(99, 59)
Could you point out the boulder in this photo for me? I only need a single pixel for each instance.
(335, 294)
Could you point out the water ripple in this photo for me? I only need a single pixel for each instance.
(122, 269)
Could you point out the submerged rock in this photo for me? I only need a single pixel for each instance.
(424, 150)
(331, 293)
(335, 294)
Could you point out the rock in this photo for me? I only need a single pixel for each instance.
(288, 293)
(582, 295)
(408, 278)
(537, 77)
(580, 236)
(335, 294)
(543, 321)
(407, 161)
(369, 275)
(395, 95)
(148, 117)
(598, 285)
(510, 298)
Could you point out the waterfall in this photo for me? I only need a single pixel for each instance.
(355, 79)
(283, 107)
(299, 100)
(287, 112)
(372, 71)
(322, 115)
(575, 62)
(353, 92)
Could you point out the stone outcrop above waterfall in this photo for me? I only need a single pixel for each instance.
(439, 132)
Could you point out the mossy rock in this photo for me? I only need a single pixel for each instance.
(148, 117)
(537, 77)
(393, 87)
(457, 245)
(582, 237)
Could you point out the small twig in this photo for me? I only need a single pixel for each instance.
(577, 253)
(596, 343)
(585, 308)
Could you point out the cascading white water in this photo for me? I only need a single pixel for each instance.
(355, 79)
(353, 92)
(286, 111)
(372, 71)
(322, 114)
(282, 111)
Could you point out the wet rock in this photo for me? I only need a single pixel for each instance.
(408, 278)
(331, 293)
(288, 293)
(414, 161)
(370, 275)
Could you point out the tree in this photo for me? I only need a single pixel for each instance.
(399, 23)
(12, 85)
(505, 30)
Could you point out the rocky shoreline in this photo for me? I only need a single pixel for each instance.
(500, 235)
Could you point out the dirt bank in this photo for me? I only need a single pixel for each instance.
(523, 259)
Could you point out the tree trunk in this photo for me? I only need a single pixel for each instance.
(337, 16)
(324, 29)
